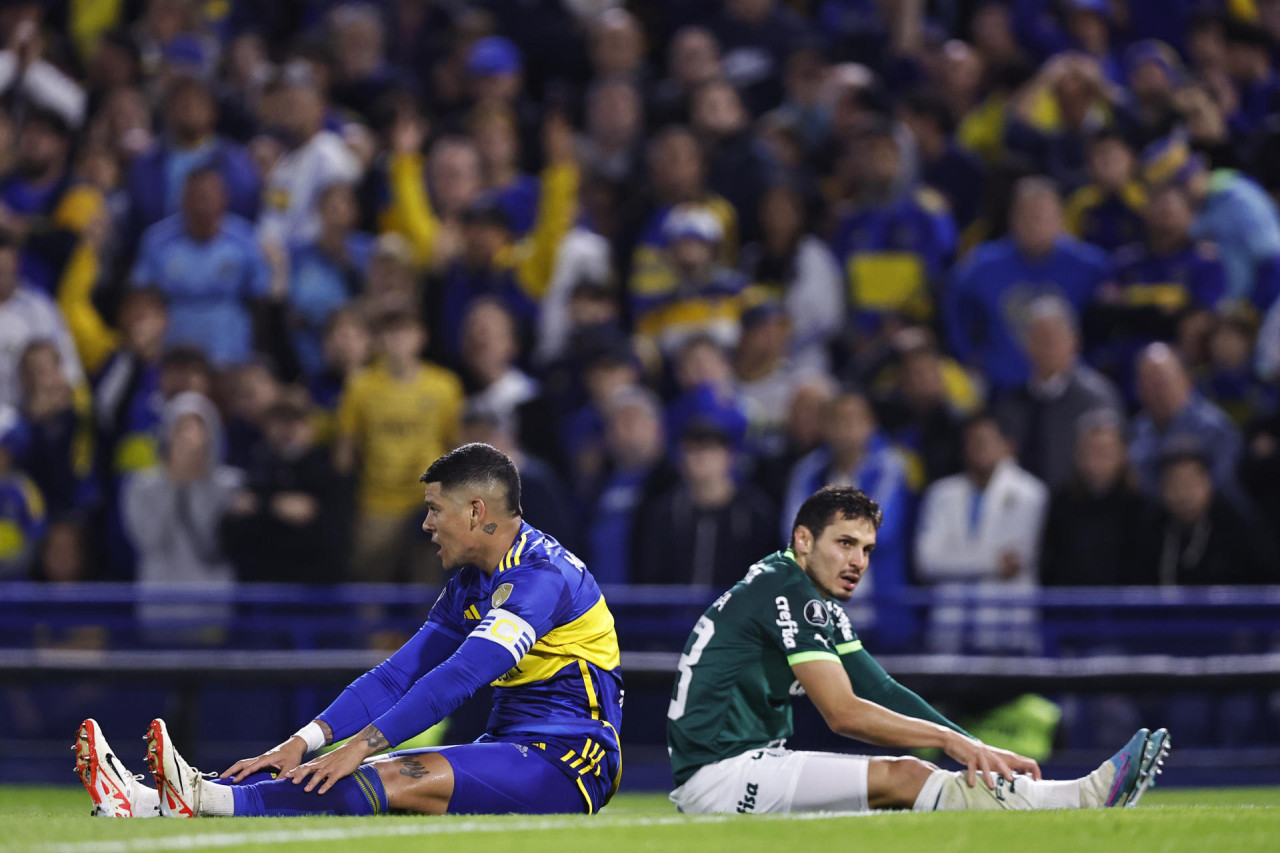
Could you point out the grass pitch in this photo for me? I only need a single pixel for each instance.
(1240, 820)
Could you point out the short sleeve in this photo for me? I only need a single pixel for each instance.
(798, 623)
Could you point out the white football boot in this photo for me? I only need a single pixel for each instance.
(115, 791)
(180, 785)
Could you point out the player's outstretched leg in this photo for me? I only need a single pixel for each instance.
(115, 791)
(1121, 780)
(186, 792)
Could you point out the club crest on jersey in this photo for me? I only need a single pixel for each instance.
(501, 594)
(815, 613)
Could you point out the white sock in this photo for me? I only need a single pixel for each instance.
(947, 790)
(216, 800)
(146, 801)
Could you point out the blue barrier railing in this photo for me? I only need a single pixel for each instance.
(1062, 622)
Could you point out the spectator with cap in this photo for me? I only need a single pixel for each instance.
(946, 167)
(1173, 410)
(1041, 417)
(711, 526)
(1232, 211)
(1091, 532)
(987, 300)
(896, 240)
(26, 316)
(1153, 73)
(43, 204)
(314, 158)
(636, 468)
(23, 518)
(209, 266)
(797, 268)
(495, 76)
(289, 521)
(158, 176)
(1200, 538)
(1107, 211)
(678, 177)
(1156, 284)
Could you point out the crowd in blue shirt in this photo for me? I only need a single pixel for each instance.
(739, 248)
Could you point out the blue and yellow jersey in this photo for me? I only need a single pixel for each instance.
(565, 684)
(892, 254)
(653, 278)
(1106, 219)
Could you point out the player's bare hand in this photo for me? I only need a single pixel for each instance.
(326, 770)
(1019, 763)
(282, 759)
(980, 760)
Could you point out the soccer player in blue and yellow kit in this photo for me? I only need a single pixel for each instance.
(521, 613)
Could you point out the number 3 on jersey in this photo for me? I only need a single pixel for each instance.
(702, 633)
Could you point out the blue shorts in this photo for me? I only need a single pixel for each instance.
(526, 776)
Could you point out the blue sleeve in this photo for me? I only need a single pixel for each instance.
(243, 185)
(1210, 283)
(438, 693)
(943, 244)
(373, 693)
(534, 603)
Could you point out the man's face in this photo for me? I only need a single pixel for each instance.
(1100, 457)
(451, 523)
(852, 424)
(984, 448)
(40, 148)
(1037, 223)
(1187, 491)
(837, 560)
(1111, 163)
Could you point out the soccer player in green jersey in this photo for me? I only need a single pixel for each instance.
(780, 632)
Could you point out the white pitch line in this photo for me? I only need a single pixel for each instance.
(451, 827)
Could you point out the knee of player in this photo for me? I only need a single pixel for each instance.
(899, 778)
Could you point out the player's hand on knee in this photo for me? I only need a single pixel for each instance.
(282, 758)
(326, 770)
(1020, 763)
(979, 760)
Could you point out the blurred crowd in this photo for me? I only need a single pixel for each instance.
(1010, 267)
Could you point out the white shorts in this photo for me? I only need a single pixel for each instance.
(776, 780)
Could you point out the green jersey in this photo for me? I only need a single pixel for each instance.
(735, 684)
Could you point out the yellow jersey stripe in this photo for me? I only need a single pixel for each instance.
(591, 809)
(591, 690)
(524, 537)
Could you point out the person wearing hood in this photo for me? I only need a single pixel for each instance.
(172, 511)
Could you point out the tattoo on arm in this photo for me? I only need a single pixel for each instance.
(328, 732)
(373, 739)
(490, 528)
(413, 768)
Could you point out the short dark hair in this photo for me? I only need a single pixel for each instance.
(822, 507)
(477, 464)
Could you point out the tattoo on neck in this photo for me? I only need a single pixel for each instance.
(413, 768)
(373, 738)
(490, 527)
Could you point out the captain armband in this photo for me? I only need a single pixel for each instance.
(508, 630)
